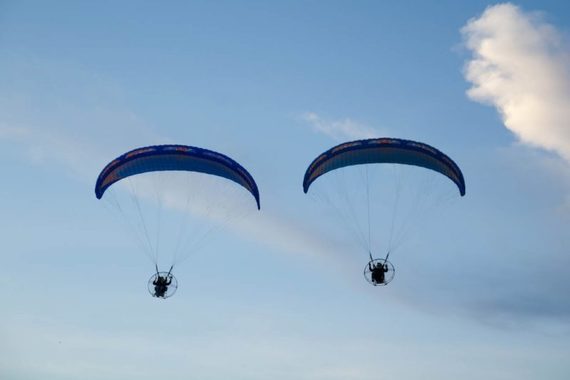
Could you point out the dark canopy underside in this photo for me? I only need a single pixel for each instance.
(384, 150)
(178, 158)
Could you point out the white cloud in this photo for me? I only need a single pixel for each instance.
(521, 66)
(340, 130)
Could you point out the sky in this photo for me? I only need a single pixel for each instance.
(481, 287)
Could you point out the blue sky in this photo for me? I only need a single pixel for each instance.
(481, 291)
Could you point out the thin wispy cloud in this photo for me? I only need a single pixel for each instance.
(72, 155)
(339, 130)
(521, 66)
(49, 147)
(80, 134)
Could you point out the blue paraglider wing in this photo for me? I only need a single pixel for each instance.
(174, 157)
(384, 150)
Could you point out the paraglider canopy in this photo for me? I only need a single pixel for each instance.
(174, 157)
(384, 150)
